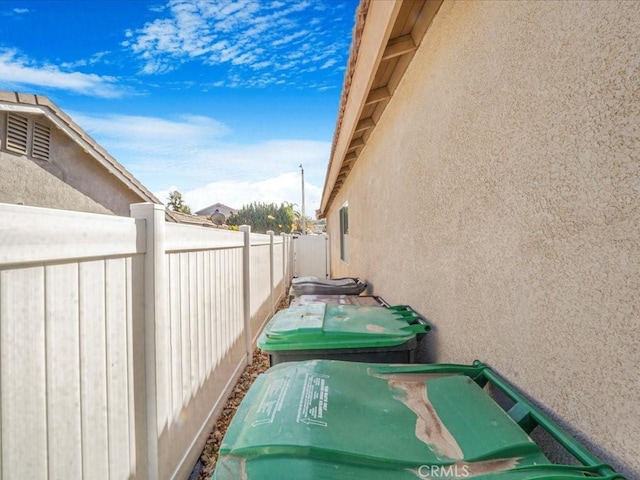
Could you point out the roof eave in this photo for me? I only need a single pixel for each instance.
(368, 86)
(377, 21)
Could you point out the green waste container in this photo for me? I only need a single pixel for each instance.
(343, 420)
(343, 332)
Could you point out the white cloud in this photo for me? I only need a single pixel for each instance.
(288, 38)
(195, 150)
(282, 188)
(295, 55)
(261, 65)
(246, 57)
(17, 71)
(240, 35)
(152, 134)
(93, 60)
(329, 63)
(14, 12)
(285, 66)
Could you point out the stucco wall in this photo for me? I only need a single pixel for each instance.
(499, 196)
(70, 180)
(24, 182)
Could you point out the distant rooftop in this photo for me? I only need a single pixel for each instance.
(217, 207)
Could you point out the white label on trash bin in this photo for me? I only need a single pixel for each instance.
(272, 402)
(314, 400)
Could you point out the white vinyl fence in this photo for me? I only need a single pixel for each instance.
(311, 256)
(120, 338)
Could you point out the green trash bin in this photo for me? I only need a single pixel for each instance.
(342, 332)
(343, 420)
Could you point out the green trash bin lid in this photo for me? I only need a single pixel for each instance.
(318, 326)
(332, 419)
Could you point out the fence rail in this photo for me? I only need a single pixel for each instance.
(120, 338)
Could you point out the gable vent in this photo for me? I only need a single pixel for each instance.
(41, 141)
(17, 132)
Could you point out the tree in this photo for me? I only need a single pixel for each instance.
(264, 216)
(176, 203)
(297, 222)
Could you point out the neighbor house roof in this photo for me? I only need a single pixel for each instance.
(41, 105)
(201, 220)
(221, 207)
(385, 38)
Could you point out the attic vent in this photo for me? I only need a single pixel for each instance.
(41, 141)
(17, 132)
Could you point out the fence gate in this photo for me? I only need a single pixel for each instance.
(311, 256)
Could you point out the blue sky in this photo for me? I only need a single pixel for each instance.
(221, 100)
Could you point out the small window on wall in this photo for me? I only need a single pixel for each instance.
(344, 232)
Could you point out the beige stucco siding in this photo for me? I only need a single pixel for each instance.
(70, 179)
(26, 183)
(89, 177)
(499, 195)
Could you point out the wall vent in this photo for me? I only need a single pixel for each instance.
(17, 133)
(41, 141)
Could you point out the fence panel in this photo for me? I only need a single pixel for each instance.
(120, 338)
(24, 404)
(66, 320)
(260, 282)
(118, 404)
(278, 266)
(93, 382)
(205, 349)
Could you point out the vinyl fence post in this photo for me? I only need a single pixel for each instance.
(271, 272)
(246, 291)
(154, 323)
(284, 263)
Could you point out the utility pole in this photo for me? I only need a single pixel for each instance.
(304, 219)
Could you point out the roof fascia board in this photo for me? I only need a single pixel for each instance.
(375, 35)
(4, 107)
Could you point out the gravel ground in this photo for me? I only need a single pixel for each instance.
(206, 465)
